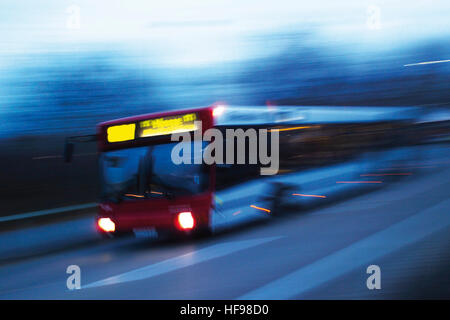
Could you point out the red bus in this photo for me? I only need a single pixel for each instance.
(142, 188)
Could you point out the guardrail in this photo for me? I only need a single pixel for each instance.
(47, 212)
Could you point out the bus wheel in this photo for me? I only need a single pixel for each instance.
(202, 232)
(278, 194)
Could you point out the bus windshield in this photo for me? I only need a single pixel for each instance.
(149, 172)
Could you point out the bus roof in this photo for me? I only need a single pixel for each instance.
(278, 115)
(157, 128)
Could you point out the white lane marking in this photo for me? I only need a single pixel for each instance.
(47, 212)
(182, 261)
(356, 255)
(425, 62)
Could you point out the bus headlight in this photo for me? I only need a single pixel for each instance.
(218, 111)
(106, 224)
(186, 220)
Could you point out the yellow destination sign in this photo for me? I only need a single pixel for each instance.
(123, 132)
(167, 125)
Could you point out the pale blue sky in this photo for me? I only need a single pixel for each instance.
(189, 32)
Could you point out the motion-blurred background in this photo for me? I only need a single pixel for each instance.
(67, 65)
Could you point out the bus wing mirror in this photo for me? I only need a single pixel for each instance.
(68, 151)
(70, 142)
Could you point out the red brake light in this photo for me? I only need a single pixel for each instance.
(186, 220)
(106, 224)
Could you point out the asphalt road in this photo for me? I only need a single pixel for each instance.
(403, 228)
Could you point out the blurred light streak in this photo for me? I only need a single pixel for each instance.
(236, 213)
(386, 174)
(359, 182)
(396, 168)
(425, 163)
(426, 62)
(133, 195)
(284, 171)
(308, 195)
(47, 157)
(263, 209)
(289, 129)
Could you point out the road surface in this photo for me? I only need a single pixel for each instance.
(404, 228)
